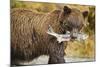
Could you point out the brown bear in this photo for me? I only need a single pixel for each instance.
(29, 38)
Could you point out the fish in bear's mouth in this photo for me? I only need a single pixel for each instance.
(66, 36)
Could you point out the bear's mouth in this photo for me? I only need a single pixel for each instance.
(67, 35)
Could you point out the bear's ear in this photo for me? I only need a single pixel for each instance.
(85, 14)
(66, 10)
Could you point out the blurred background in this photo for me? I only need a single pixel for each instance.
(74, 49)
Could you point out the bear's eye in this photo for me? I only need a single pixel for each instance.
(69, 28)
(61, 22)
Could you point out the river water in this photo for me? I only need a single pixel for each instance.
(44, 60)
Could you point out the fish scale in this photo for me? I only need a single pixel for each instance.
(67, 36)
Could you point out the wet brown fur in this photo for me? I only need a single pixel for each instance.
(29, 38)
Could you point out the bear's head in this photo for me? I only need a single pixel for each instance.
(72, 20)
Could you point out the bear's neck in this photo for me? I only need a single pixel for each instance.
(41, 24)
(55, 24)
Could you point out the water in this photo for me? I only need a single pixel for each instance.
(44, 60)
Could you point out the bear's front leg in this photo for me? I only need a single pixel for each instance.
(56, 59)
(56, 54)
